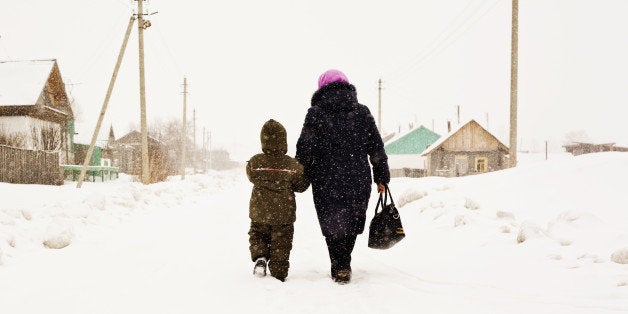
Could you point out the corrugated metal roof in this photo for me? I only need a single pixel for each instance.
(21, 82)
(413, 142)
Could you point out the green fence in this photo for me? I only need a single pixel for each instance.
(72, 172)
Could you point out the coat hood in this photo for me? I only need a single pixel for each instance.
(336, 97)
(274, 138)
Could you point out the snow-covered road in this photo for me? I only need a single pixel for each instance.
(184, 249)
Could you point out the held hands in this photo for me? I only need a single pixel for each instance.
(381, 188)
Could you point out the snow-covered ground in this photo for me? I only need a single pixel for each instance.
(546, 237)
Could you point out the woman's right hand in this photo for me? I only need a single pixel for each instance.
(381, 188)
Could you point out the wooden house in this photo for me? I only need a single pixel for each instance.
(579, 148)
(35, 112)
(404, 152)
(126, 154)
(469, 149)
(219, 159)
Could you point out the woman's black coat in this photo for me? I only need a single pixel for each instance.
(339, 137)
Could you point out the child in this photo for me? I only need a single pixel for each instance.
(275, 177)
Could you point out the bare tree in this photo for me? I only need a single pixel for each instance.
(46, 138)
(575, 136)
(12, 139)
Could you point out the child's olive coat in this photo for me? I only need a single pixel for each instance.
(275, 177)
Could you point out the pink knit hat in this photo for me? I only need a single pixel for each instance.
(331, 76)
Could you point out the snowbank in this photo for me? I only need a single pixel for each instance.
(564, 214)
(37, 216)
(620, 256)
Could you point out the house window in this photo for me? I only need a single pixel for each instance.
(481, 164)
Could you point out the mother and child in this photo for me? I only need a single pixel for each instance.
(338, 139)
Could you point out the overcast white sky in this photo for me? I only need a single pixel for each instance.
(248, 61)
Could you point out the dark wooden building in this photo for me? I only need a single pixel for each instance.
(469, 149)
(579, 148)
(126, 154)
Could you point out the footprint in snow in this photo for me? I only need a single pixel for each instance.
(471, 204)
(592, 257)
(505, 215)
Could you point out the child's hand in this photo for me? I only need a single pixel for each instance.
(381, 188)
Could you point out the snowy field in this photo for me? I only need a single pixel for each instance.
(546, 237)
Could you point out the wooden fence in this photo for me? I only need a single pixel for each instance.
(408, 173)
(29, 166)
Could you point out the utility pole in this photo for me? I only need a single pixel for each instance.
(514, 53)
(545, 150)
(112, 82)
(379, 106)
(140, 30)
(210, 149)
(184, 128)
(203, 152)
(194, 151)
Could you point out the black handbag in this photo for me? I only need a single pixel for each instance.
(385, 229)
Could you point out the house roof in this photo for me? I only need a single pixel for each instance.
(134, 137)
(444, 139)
(21, 82)
(599, 143)
(414, 141)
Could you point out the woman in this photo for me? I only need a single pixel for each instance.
(338, 138)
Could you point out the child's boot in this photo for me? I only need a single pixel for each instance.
(259, 269)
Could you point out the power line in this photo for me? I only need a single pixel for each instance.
(469, 22)
(157, 52)
(102, 48)
(438, 50)
(172, 58)
(401, 68)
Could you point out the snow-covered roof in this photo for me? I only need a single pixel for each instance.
(21, 82)
(444, 138)
(135, 137)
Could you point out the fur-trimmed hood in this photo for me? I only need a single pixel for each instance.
(336, 97)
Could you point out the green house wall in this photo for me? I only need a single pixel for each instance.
(80, 150)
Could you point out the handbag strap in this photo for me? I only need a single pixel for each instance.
(379, 202)
(383, 199)
(389, 194)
